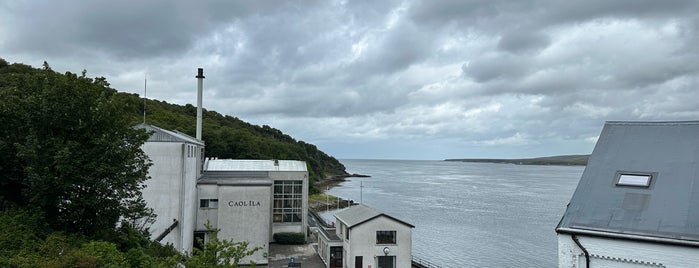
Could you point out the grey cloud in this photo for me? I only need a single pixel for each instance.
(502, 66)
(523, 41)
(584, 10)
(127, 29)
(485, 74)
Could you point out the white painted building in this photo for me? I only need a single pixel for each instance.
(251, 200)
(369, 238)
(171, 190)
(637, 202)
(329, 247)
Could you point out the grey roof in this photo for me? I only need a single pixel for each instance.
(668, 209)
(254, 165)
(236, 178)
(164, 135)
(356, 215)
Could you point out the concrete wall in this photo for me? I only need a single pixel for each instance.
(210, 215)
(362, 242)
(165, 189)
(244, 214)
(192, 171)
(171, 191)
(606, 252)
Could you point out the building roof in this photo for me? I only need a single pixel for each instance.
(164, 135)
(667, 209)
(254, 165)
(236, 178)
(356, 215)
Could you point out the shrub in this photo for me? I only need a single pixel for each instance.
(290, 238)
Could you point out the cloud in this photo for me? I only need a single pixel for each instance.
(393, 79)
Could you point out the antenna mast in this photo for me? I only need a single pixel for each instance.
(361, 192)
(145, 91)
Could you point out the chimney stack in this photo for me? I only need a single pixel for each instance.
(200, 84)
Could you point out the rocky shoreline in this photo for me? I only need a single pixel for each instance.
(334, 180)
(332, 202)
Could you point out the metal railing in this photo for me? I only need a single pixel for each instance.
(420, 262)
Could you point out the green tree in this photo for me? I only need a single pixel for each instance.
(69, 151)
(219, 252)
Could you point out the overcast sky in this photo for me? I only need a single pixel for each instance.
(387, 79)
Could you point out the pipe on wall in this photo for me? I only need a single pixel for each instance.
(587, 255)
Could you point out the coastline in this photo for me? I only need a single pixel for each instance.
(323, 201)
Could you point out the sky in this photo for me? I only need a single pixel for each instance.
(387, 79)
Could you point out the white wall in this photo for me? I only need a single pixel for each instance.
(171, 191)
(192, 164)
(362, 242)
(623, 253)
(244, 214)
(204, 215)
(164, 188)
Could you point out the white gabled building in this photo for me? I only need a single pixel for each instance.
(637, 202)
(369, 238)
(171, 190)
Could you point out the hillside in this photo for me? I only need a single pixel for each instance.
(225, 136)
(560, 160)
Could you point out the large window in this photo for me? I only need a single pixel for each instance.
(387, 262)
(288, 201)
(385, 237)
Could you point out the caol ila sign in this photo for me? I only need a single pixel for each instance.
(245, 203)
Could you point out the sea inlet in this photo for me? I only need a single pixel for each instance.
(469, 214)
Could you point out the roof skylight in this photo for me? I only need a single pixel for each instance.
(637, 180)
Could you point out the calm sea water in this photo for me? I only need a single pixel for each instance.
(469, 214)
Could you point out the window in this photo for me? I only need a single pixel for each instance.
(199, 240)
(347, 234)
(385, 237)
(637, 180)
(208, 203)
(288, 201)
(386, 262)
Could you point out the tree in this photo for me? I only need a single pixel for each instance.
(69, 151)
(219, 252)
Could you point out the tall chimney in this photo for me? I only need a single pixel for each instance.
(200, 84)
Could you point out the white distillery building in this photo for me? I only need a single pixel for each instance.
(637, 202)
(251, 200)
(248, 200)
(367, 238)
(171, 191)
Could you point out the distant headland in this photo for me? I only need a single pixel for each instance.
(559, 160)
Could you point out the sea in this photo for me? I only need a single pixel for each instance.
(468, 214)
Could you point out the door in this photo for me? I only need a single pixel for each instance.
(358, 262)
(335, 257)
(386, 261)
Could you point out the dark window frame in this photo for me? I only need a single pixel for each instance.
(288, 201)
(381, 261)
(386, 237)
(208, 203)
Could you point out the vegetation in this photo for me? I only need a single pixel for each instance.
(290, 238)
(228, 137)
(71, 175)
(69, 151)
(219, 252)
(561, 160)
